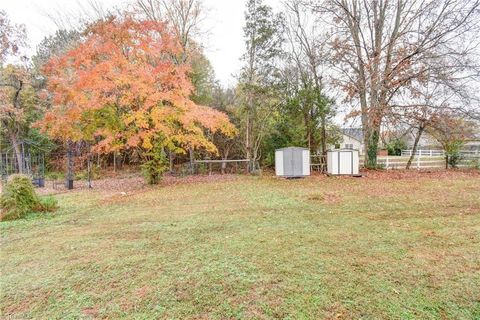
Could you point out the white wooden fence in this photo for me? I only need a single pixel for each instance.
(438, 153)
(422, 162)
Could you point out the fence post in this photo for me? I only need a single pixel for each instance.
(418, 162)
(89, 171)
(386, 163)
(69, 180)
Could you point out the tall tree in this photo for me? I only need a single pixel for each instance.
(19, 107)
(183, 16)
(452, 132)
(304, 78)
(12, 38)
(203, 79)
(120, 89)
(55, 45)
(224, 100)
(422, 106)
(258, 82)
(17, 98)
(380, 47)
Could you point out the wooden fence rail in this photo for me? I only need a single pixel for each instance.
(422, 162)
(438, 153)
(222, 163)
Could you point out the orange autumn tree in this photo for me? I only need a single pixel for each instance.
(122, 88)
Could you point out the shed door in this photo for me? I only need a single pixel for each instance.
(287, 162)
(297, 162)
(345, 161)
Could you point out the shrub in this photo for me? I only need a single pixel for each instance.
(19, 198)
(395, 147)
(454, 159)
(202, 168)
(155, 166)
(474, 164)
(47, 204)
(83, 174)
(453, 155)
(54, 175)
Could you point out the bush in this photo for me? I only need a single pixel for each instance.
(19, 198)
(47, 204)
(395, 147)
(201, 168)
(83, 174)
(454, 159)
(54, 175)
(475, 164)
(155, 166)
(453, 155)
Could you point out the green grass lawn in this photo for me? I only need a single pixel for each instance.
(252, 247)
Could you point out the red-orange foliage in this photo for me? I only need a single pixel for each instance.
(122, 88)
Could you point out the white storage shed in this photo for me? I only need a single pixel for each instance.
(292, 162)
(343, 162)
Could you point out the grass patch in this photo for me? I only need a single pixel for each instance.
(251, 247)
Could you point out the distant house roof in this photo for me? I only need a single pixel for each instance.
(355, 133)
(475, 137)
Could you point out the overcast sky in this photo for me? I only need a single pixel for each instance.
(223, 38)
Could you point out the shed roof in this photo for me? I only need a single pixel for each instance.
(343, 150)
(290, 148)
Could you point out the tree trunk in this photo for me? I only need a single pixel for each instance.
(253, 160)
(371, 141)
(309, 139)
(170, 160)
(70, 174)
(251, 144)
(192, 160)
(415, 145)
(248, 141)
(324, 136)
(224, 164)
(18, 153)
(247, 138)
(308, 134)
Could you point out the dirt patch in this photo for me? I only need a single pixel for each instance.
(316, 197)
(122, 186)
(105, 185)
(91, 312)
(143, 291)
(330, 198)
(337, 311)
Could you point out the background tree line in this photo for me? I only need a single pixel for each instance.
(136, 84)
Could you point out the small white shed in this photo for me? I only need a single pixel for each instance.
(343, 162)
(292, 162)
